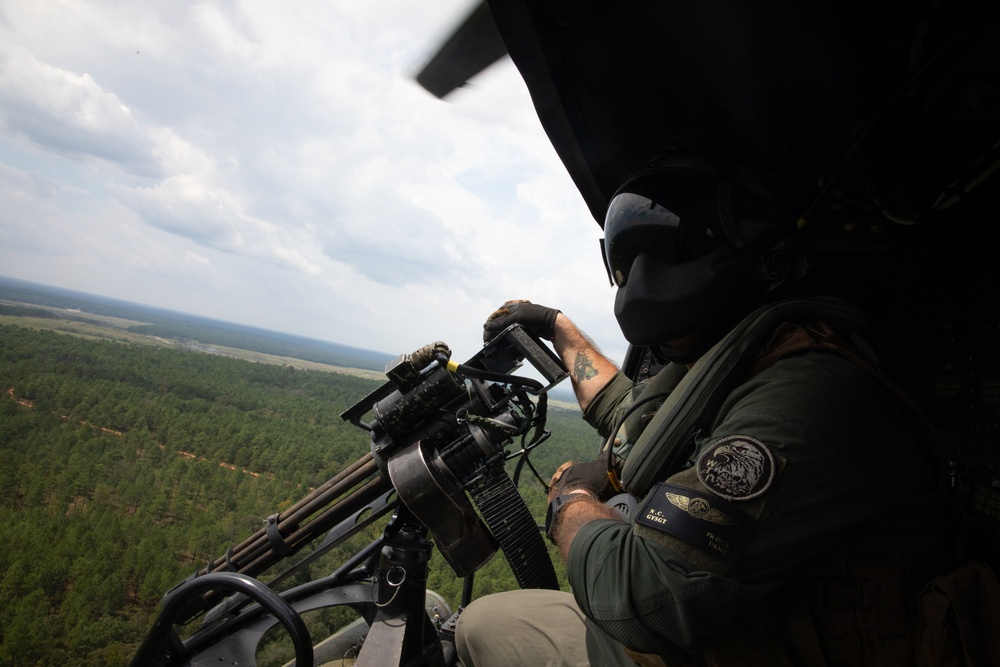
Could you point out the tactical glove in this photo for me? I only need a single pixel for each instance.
(592, 476)
(537, 320)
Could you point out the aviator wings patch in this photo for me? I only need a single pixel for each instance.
(699, 508)
(711, 525)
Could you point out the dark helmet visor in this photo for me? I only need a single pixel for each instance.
(635, 223)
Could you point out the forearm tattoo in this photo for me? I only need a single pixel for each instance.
(583, 368)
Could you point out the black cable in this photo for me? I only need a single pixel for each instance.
(536, 473)
(482, 374)
(608, 442)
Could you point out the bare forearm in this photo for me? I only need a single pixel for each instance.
(589, 369)
(574, 516)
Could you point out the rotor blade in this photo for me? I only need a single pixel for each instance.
(473, 47)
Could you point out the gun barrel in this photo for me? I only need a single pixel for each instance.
(289, 530)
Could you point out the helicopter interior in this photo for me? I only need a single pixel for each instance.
(877, 124)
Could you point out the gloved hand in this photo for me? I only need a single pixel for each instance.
(592, 476)
(537, 320)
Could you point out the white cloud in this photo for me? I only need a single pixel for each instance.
(193, 258)
(66, 113)
(276, 164)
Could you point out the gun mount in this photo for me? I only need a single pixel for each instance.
(439, 436)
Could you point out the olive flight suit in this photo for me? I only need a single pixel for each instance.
(799, 533)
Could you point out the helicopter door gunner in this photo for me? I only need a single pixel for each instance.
(801, 516)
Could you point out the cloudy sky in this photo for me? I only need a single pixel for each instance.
(275, 164)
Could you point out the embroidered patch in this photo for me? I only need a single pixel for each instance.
(710, 525)
(737, 467)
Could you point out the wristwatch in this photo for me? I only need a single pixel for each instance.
(557, 503)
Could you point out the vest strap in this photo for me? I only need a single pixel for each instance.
(663, 445)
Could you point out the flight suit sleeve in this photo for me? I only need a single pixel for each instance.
(620, 395)
(707, 543)
(647, 596)
(609, 403)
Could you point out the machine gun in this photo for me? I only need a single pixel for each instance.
(439, 437)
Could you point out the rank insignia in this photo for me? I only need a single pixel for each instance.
(737, 467)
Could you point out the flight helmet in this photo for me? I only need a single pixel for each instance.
(692, 249)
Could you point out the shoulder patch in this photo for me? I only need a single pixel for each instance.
(708, 524)
(737, 467)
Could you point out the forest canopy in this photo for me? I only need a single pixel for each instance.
(125, 468)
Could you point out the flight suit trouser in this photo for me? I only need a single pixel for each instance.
(533, 627)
